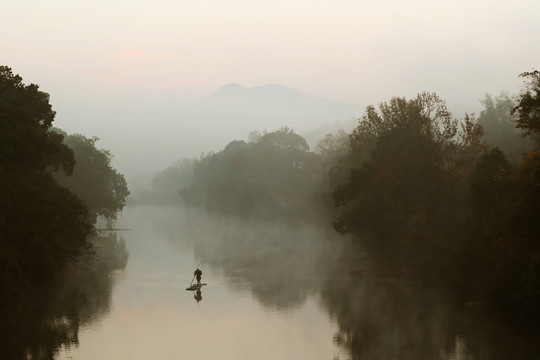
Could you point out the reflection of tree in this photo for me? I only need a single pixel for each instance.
(49, 315)
(389, 319)
(281, 263)
(384, 320)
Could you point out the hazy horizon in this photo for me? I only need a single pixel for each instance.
(127, 71)
(411, 235)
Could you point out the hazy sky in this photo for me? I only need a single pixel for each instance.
(116, 62)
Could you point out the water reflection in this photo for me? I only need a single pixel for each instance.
(50, 316)
(197, 295)
(275, 290)
(283, 264)
(383, 319)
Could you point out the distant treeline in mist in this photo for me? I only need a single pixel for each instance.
(273, 174)
(54, 187)
(441, 199)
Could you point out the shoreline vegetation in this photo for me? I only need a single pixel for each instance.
(55, 187)
(446, 200)
(436, 198)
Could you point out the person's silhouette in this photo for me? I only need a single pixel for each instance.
(198, 274)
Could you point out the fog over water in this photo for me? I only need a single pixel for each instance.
(326, 228)
(280, 298)
(244, 311)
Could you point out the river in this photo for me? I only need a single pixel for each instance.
(275, 291)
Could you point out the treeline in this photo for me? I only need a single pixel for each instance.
(428, 192)
(439, 198)
(272, 175)
(447, 200)
(53, 188)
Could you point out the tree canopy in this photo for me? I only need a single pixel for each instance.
(500, 129)
(407, 161)
(528, 105)
(41, 224)
(269, 176)
(94, 180)
(44, 225)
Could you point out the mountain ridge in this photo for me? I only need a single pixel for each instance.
(270, 95)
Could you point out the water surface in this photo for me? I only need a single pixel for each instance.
(276, 290)
(153, 316)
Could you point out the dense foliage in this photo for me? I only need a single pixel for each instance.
(500, 128)
(42, 224)
(427, 192)
(441, 199)
(94, 180)
(528, 105)
(404, 196)
(270, 176)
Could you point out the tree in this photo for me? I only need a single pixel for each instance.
(271, 176)
(334, 145)
(285, 138)
(404, 195)
(500, 128)
(427, 114)
(25, 118)
(41, 224)
(94, 180)
(528, 105)
(505, 231)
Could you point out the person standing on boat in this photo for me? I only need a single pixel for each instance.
(198, 274)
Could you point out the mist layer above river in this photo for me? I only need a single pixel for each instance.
(275, 290)
(283, 265)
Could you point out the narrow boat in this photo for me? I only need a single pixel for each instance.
(195, 286)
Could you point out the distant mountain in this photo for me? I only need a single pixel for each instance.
(179, 130)
(228, 92)
(236, 110)
(270, 92)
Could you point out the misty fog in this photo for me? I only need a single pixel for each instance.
(384, 240)
(169, 128)
(270, 180)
